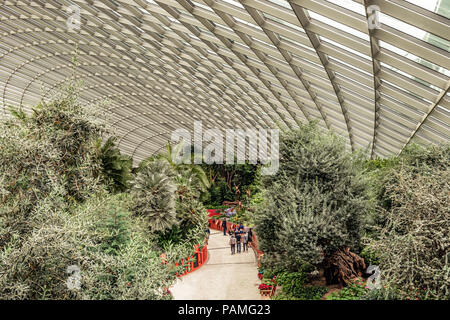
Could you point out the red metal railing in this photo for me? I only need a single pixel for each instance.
(195, 261)
(217, 225)
(200, 255)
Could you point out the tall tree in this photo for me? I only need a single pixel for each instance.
(116, 166)
(191, 182)
(314, 204)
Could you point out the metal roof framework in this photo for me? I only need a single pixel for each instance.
(243, 64)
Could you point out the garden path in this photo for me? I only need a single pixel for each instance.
(222, 277)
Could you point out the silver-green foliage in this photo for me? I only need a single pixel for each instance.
(191, 182)
(54, 213)
(191, 212)
(47, 158)
(37, 267)
(413, 243)
(314, 204)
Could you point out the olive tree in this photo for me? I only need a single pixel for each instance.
(314, 205)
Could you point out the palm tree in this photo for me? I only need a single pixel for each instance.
(190, 180)
(191, 175)
(153, 190)
(116, 167)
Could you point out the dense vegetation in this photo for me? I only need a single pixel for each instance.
(66, 230)
(410, 228)
(74, 211)
(315, 204)
(231, 182)
(338, 213)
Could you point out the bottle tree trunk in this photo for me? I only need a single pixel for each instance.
(343, 266)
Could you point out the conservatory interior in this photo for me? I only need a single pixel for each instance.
(224, 149)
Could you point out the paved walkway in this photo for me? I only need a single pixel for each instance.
(223, 277)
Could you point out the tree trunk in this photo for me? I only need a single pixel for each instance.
(342, 266)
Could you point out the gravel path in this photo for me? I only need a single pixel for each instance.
(223, 277)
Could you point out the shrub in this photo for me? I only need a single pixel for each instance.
(314, 204)
(190, 210)
(153, 191)
(116, 227)
(290, 280)
(55, 214)
(126, 268)
(381, 294)
(50, 154)
(310, 292)
(354, 291)
(415, 159)
(413, 245)
(302, 293)
(295, 287)
(370, 257)
(283, 296)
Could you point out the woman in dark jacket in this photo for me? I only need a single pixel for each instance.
(250, 235)
(224, 226)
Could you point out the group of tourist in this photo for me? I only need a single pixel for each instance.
(240, 237)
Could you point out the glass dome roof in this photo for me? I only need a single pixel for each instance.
(377, 72)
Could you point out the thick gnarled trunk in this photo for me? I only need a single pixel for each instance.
(342, 266)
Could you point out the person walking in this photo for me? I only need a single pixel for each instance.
(233, 244)
(245, 242)
(208, 233)
(224, 226)
(238, 243)
(250, 235)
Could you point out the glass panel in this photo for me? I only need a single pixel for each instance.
(410, 76)
(425, 101)
(350, 5)
(282, 3)
(415, 58)
(337, 44)
(247, 23)
(349, 66)
(287, 24)
(353, 81)
(415, 32)
(338, 25)
(441, 7)
(264, 43)
(293, 43)
(196, 3)
(236, 3)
